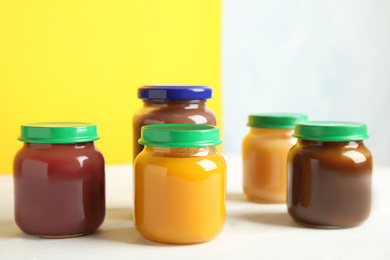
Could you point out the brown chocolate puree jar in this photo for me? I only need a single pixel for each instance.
(329, 175)
(171, 104)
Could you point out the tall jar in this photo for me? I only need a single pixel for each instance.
(329, 175)
(59, 181)
(180, 184)
(164, 104)
(264, 154)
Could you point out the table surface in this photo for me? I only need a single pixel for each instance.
(252, 230)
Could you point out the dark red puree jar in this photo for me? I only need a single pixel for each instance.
(171, 104)
(329, 175)
(59, 180)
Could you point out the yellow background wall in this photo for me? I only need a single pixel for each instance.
(84, 60)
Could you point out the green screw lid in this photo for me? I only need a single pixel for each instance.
(275, 120)
(58, 132)
(331, 131)
(180, 135)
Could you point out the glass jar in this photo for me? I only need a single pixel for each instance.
(59, 181)
(329, 175)
(180, 184)
(171, 105)
(264, 154)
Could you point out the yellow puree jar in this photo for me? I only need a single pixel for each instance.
(180, 184)
(264, 152)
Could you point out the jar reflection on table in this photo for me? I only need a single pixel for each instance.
(163, 104)
(329, 182)
(59, 187)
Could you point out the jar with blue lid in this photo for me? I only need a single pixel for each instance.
(171, 104)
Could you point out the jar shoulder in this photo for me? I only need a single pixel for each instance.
(59, 154)
(266, 140)
(162, 115)
(333, 154)
(172, 161)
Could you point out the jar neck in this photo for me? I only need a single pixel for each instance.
(341, 144)
(174, 103)
(67, 145)
(180, 152)
(286, 132)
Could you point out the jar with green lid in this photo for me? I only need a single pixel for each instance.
(264, 154)
(180, 184)
(59, 181)
(329, 175)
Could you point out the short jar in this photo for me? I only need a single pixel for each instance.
(264, 153)
(329, 175)
(180, 184)
(171, 104)
(59, 181)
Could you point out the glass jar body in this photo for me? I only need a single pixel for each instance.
(170, 112)
(59, 189)
(329, 183)
(264, 152)
(180, 194)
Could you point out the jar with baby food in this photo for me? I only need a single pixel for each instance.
(171, 104)
(329, 175)
(180, 184)
(59, 181)
(264, 154)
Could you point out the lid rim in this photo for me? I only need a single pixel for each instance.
(59, 141)
(174, 92)
(58, 132)
(273, 126)
(181, 145)
(275, 120)
(331, 131)
(179, 135)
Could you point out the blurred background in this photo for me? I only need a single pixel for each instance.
(329, 59)
(84, 60)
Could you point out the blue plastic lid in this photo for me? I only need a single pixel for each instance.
(174, 92)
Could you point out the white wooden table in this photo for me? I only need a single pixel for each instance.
(252, 231)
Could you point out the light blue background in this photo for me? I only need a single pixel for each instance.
(328, 59)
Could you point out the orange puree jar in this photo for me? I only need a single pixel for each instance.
(180, 184)
(264, 153)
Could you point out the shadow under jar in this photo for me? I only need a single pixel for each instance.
(59, 180)
(180, 184)
(329, 175)
(165, 104)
